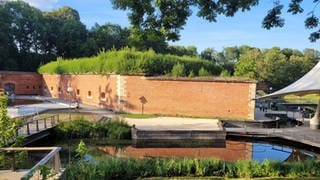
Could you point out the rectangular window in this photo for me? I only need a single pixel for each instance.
(103, 96)
(89, 94)
(59, 90)
(78, 92)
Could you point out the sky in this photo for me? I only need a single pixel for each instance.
(242, 29)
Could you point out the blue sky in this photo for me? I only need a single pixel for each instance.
(242, 29)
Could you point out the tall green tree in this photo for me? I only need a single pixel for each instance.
(8, 49)
(67, 34)
(109, 36)
(246, 65)
(169, 17)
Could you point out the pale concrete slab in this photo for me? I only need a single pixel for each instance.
(12, 175)
(174, 123)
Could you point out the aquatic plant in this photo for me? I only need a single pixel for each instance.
(123, 168)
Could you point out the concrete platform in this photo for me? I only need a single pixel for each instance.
(165, 128)
(174, 123)
(12, 175)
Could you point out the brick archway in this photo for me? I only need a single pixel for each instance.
(9, 87)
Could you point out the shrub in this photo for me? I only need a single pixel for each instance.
(128, 61)
(178, 70)
(204, 72)
(80, 128)
(225, 73)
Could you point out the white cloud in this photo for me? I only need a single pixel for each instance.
(42, 4)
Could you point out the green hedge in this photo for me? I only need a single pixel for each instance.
(128, 61)
(122, 168)
(80, 128)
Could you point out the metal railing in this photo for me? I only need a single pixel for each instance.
(39, 124)
(51, 160)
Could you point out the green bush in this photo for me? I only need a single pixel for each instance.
(80, 128)
(128, 61)
(178, 70)
(204, 72)
(123, 168)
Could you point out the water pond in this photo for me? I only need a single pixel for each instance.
(230, 150)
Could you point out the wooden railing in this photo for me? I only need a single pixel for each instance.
(34, 171)
(39, 124)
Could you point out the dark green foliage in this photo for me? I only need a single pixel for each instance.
(112, 129)
(117, 168)
(167, 18)
(129, 61)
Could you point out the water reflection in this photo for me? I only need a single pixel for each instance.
(231, 151)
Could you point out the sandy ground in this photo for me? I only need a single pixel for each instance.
(174, 123)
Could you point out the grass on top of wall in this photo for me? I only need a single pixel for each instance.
(130, 61)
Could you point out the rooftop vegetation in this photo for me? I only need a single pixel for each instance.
(130, 61)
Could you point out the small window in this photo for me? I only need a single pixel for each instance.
(78, 92)
(89, 94)
(51, 88)
(103, 96)
(27, 87)
(40, 86)
(34, 87)
(59, 90)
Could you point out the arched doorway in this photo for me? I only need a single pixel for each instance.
(9, 88)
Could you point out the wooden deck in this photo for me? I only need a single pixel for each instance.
(301, 134)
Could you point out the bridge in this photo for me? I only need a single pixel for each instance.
(37, 128)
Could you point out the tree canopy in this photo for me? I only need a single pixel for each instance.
(167, 18)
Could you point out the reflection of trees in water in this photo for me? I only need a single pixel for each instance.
(297, 155)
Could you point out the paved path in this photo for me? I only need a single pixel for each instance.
(174, 123)
(52, 104)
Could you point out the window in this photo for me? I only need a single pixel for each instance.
(51, 88)
(34, 87)
(40, 86)
(59, 90)
(78, 92)
(27, 87)
(89, 94)
(103, 96)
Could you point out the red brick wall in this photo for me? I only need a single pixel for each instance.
(192, 98)
(97, 84)
(26, 83)
(222, 99)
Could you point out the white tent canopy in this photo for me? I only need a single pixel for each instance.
(309, 83)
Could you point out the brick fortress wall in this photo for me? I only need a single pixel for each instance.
(139, 94)
(228, 99)
(25, 83)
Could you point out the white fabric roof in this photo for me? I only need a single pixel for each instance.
(308, 84)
